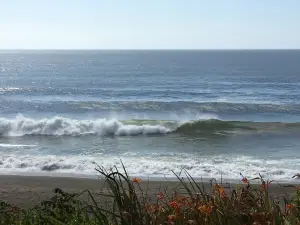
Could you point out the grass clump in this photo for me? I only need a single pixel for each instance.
(125, 202)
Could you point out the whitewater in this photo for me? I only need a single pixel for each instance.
(60, 126)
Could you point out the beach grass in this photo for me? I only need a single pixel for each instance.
(126, 202)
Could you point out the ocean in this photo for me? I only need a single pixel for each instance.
(211, 113)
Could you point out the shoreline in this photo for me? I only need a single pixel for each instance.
(150, 178)
(27, 191)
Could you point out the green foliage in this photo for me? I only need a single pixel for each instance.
(131, 205)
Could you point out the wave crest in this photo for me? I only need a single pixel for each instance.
(58, 126)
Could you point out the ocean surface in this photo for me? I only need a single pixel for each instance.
(212, 113)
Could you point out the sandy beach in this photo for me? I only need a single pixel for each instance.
(26, 191)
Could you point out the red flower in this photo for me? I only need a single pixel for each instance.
(171, 218)
(160, 196)
(245, 180)
(264, 186)
(174, 204)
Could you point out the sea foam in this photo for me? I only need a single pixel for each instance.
(228, 167)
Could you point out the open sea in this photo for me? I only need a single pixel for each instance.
(212, 113)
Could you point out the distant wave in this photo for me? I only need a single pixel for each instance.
(209, 107)
(62, 105)
(59, 126)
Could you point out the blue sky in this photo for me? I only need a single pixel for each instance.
(155, 24)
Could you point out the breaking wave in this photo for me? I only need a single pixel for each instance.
(211, 126)
(59, 126)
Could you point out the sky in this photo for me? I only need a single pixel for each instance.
(145, 24)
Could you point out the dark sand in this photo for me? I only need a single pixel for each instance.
(26, 191)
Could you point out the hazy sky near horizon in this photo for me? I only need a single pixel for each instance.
(155, 24)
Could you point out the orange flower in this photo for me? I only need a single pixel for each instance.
(289, 206)
(205, 209)
(220, 191)
(136, 180)
(245, 180)
(160, 195)
(217, 187)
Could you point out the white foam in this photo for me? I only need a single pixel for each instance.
(58, 126)
(15, 146)
(9, 89)
(229, 167)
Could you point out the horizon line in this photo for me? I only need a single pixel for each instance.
(148, 49)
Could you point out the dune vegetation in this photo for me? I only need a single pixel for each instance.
(245, 203)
